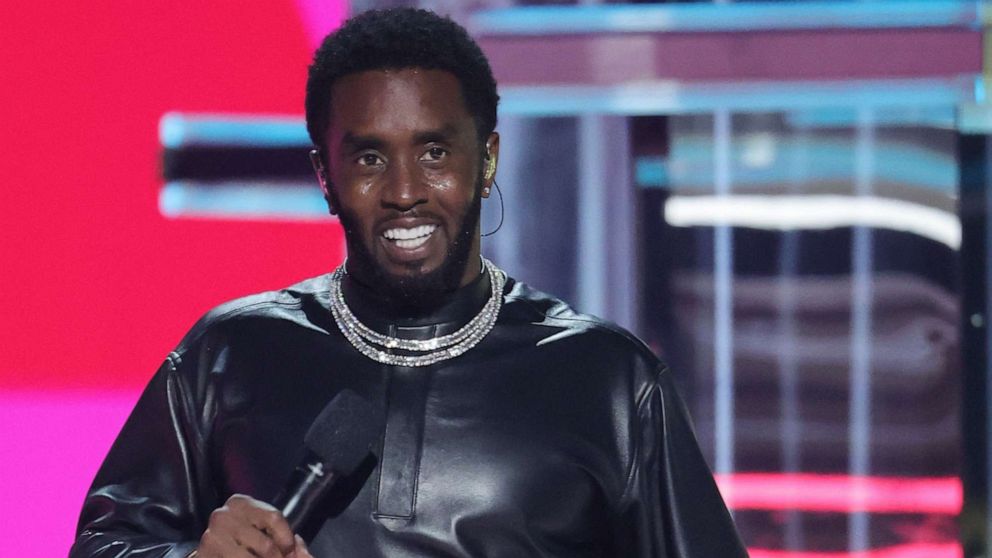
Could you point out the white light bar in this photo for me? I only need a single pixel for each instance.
(814, 212)
(178, 129)
(681, 97)
(742, 16)
(243, 199)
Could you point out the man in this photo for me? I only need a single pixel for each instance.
(514, 426)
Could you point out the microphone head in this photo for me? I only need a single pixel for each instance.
(342, 434)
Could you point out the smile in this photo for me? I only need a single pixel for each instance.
(411, 238)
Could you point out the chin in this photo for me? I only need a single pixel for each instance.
(404, 271)
(418, 283)
(415, 292)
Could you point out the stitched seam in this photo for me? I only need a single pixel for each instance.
(420, 452)
(643, 399)
(607, 327)
(175, 360)
(526, 303)
(385, 436)
(177, 407)
(600, 324)
(253, 305)
(382, 451)
(208, 321)
(378, 515)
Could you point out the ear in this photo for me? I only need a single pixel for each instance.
(325, 183)
(490, 161)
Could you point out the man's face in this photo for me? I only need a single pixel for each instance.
(405, 164)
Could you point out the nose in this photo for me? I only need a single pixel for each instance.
(404, 188)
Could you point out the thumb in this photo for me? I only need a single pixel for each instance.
(300, 550)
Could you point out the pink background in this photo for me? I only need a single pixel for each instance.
(97, 286)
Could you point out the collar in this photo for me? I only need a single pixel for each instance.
(455, 310)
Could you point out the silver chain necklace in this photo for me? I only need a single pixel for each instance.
(377, 346)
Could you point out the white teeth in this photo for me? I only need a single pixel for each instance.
(419, 233)
(413, 243)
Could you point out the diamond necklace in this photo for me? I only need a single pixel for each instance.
(376, 345)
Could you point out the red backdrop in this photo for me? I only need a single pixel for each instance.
(97, 286)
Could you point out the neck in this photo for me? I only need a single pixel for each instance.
(461, 321)
(379, 311)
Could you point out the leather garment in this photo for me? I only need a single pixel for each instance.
(558, 435)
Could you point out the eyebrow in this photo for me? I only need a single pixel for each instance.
(443, 134)
(356, 142)
(352, 142)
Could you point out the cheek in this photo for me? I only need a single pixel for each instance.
(460, 175)
(357, 196)
(442, 184)
(366, 187)
(455, 190)
(457, 199)
(358, 188)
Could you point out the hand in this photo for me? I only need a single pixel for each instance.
(248, 528)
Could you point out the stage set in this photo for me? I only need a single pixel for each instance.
(788, 201)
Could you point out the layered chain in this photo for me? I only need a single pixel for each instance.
(379, 347)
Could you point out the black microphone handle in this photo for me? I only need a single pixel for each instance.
(307, 485)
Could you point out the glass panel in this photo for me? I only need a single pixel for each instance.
(840, 354)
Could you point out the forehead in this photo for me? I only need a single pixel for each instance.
(394, 101)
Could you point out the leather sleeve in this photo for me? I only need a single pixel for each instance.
(671, 507)
(148, 497)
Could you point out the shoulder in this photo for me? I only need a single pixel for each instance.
(295, 305)
(586, 333)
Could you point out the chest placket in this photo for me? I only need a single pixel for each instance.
(402, 444)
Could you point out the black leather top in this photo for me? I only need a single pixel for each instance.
(558, 435)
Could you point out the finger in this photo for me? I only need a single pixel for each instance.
(276, 527)
(239, 503)
(258, 543)
(301, 550)
(232, 533)
(264, 517)
(217, 540)
(217, 544)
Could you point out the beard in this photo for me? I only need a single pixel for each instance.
(414, 293)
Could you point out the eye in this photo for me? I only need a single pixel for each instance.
(434, 154)
(369, 160)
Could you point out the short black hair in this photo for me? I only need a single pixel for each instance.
(395, 39)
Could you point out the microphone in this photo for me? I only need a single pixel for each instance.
(337, 442)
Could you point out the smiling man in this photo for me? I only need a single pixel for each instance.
(514, 426)
(409, 165)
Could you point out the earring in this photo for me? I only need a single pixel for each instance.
(490, 168)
